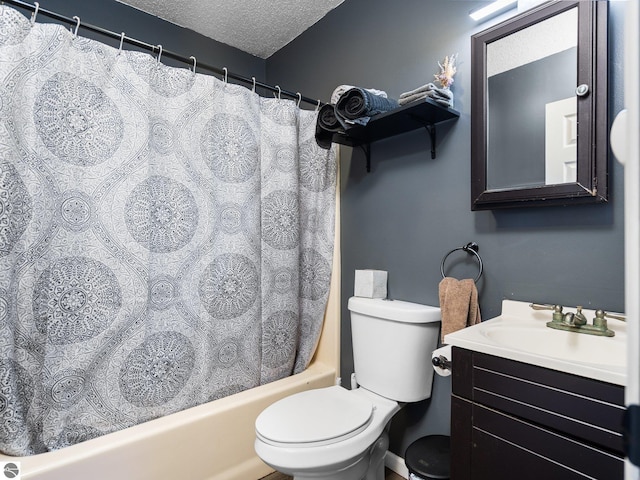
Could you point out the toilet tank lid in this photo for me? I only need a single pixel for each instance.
(397, 310)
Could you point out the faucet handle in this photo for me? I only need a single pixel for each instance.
(557, 310)
(546, 306)
(603, 314)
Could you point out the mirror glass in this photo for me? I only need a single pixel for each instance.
(531, 104)
(539, 113)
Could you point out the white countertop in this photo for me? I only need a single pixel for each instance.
(520, 333)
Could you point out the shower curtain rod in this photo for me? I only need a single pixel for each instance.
(166, 53)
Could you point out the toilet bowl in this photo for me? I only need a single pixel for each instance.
(328, 433)
(338, 434)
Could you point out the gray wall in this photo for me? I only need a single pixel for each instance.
(411, 210)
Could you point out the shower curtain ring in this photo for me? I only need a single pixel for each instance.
(194, 63)
(299, 99)
(226, 74)
(35, 13)
(279, 92)
(75, 32)
(159, 54)
(121, 42)
(254, 84)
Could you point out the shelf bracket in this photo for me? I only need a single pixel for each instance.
(431, 129)
(366, 148)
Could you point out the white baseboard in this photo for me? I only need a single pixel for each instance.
(396, 463)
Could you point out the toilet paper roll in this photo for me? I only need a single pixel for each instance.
(441, 360)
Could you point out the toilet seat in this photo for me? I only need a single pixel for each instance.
(315, 417)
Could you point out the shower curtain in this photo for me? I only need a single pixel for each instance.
(166, 238)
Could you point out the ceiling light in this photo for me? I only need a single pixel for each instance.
(492, 9)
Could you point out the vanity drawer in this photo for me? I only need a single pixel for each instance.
(506, 447)
(579, 407)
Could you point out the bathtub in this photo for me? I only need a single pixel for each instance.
(210, 441)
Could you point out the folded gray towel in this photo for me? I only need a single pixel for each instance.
(445, 102)
(358, 105)
(428, 87)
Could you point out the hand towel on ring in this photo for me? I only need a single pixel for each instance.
(458, 304)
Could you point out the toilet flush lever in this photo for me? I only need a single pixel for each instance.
(441, 362)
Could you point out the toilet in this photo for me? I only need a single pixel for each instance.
(338, 434)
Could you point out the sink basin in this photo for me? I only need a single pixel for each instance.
(521, 334)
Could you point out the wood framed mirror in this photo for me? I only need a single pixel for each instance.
(539, 122)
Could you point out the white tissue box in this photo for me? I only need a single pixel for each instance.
(370, 284)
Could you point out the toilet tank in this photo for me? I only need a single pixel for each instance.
(392, 345)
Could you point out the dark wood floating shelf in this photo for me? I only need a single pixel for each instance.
(420, 114)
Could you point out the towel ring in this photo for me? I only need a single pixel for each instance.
(472, 249)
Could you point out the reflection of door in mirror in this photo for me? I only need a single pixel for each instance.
(561, 141)
(526, 71)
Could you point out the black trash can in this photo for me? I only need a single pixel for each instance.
(429, 458)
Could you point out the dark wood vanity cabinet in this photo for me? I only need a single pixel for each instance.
(511, 420)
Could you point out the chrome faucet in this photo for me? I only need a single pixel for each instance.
(577, 322)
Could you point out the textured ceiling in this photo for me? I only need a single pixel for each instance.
(258, 27)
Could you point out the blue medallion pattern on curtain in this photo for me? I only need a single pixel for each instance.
(166, 239)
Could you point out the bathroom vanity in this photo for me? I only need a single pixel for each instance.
(531, 402)
(514, 420)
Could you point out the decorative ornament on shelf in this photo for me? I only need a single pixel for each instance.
(445, 78)
(447, 71)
